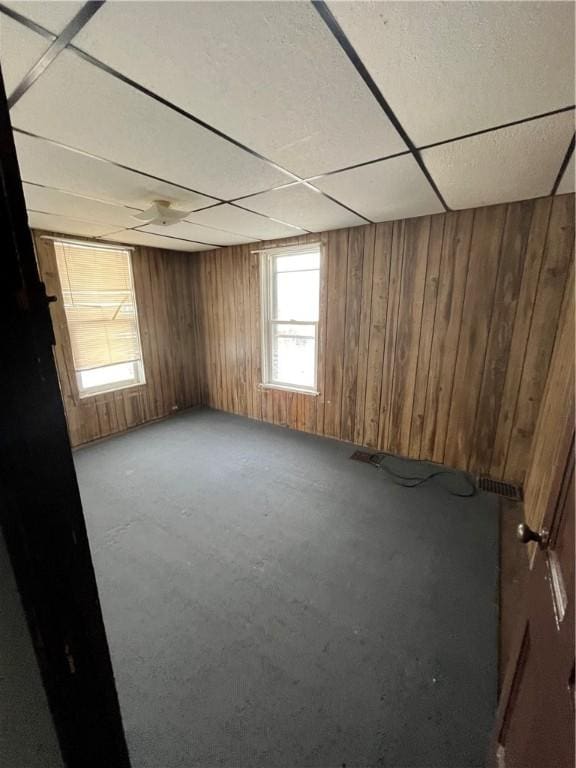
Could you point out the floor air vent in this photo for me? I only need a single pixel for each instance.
(509, 491)
(362, 456)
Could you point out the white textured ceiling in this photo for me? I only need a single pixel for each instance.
(268, 74)
(137, 237)
(191, 231)
(53, 15)
(78, 104)
(67, 224)
(238, 220)
(392, 189)
(20, 49)
(45, 200)
(203, 103)
(304, 207)
(450, 68)
(511, 164)
(52, 165)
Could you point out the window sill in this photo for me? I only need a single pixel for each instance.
(286, 388)
(82, 396)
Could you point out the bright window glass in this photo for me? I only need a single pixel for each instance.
(290, 310)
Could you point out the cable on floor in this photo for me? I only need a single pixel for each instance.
(410, 481)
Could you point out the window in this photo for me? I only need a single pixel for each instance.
(290, 307)
(100, 307)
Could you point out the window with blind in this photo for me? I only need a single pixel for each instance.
(290, 308)
(100, 306)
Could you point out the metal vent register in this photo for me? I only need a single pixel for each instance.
(509, 491)
(487, 484)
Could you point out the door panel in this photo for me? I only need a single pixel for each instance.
(535, 724)
(40, 509)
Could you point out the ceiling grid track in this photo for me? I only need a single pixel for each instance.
(327, 16)
(26, 22)
(264, 216)
(139, 228)
(123, 229)
(101, 159)
(203, 124)
(64, 40)
(49, 35)
(219, 202)
(500, 127)
(565, 161)
(153, 234)
(84, 197)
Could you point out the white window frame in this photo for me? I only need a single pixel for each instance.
(139, 378)
(267, 258)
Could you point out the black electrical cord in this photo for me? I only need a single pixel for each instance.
(407, 481)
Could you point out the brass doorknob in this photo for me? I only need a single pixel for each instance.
(525, 534)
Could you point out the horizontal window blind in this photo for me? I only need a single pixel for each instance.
(100, 305)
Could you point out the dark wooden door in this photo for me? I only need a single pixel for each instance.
(40, 508)
(535, 723)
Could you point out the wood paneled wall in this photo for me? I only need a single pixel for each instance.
(555, 426)
(164, 296)
(436, 336)
(436, 333)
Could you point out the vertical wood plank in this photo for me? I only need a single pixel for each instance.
(222, 318)
(553, 278)
(483, 263)
(207, 309)
(411, 301)
(556, 416)
(351, 333)
(255, 325)
(453, 270)
(426, 333)
(515, 364)
(508, 284)
(364, 332)
(245, 329)
(377, 334)
(334, 360)
(322, 333)
(394, 289)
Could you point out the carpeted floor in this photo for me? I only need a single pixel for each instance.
(271, 603)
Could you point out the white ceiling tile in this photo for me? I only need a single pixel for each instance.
(392, 189)
(20, 49)
(269, 74)
(515, 163)
(244, 222)
(65, 225)
(567, 181)
(51, 165)
(190, 231)
(135, 237)
(451, 68)
(303, 207)
(82, 106)
(72, 206)
(53, 15)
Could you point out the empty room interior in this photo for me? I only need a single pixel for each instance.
(306, 274)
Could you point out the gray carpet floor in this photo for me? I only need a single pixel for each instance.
(271, 603)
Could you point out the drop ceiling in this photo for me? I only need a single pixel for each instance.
(266, 120)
